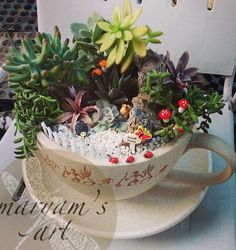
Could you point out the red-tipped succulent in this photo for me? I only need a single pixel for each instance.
(75, 111)
(165, 115)
(183, 104)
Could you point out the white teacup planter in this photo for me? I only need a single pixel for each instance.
(127, 179)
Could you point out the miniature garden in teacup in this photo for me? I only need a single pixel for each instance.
(105, 94)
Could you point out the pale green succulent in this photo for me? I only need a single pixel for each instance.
(110, 118)
(120, 40)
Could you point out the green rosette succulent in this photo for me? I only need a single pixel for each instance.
(110, 118)
(121, 40)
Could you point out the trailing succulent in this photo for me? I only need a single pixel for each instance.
(121, 41)
(33, 74)
(30, 109)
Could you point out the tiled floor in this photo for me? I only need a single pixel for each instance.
(19, 18)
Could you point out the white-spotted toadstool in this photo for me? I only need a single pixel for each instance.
(165, 115)
(183, 104)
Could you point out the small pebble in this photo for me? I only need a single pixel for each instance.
(104, 143)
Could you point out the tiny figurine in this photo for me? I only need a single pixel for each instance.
(103, 64)
(143, 133)
(124, 111)
(81, 129)
(113, 159)
(180, 129)
(148, 154)
(183, 104)
(165, 115)
(130, 159)
(97, 71)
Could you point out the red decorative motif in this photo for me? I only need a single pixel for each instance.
(163, 168)
(129, 179)
(49, 162)
(136, 177)
(82, 176)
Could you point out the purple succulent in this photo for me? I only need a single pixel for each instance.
(74, 110)
(181, 75)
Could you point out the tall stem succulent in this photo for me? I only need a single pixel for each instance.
(122, 41)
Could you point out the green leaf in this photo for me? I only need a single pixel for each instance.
(96, 34)
(112, 57)
(93, 20)
(154, 40)
(187, 129)
(127, 60)
(139, 47)
(136, 15)
(114, 93)
(127, 35)
(120, 51)
(139, 31)
(118, 34)
(116, 16)
(13, 85)
(127, 8)
(126, 22)
(18, 140)
(76, 28)
(155, 34)
(86, 33)
(107, 43)
(105, 26)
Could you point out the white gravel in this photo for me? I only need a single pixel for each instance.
(103, 144)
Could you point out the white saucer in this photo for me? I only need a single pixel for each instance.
(150, 213)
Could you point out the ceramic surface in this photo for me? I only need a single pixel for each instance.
(149, 213)
(118, 181)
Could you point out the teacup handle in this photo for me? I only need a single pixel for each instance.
(215, 144)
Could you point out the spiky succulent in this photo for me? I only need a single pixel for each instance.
(120, 40)
(47, 62)
(181, 75)
(111, 86)
(74, 109)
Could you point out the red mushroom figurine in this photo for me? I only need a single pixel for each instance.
(165, 115)
(183, 104)
(180, 129)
